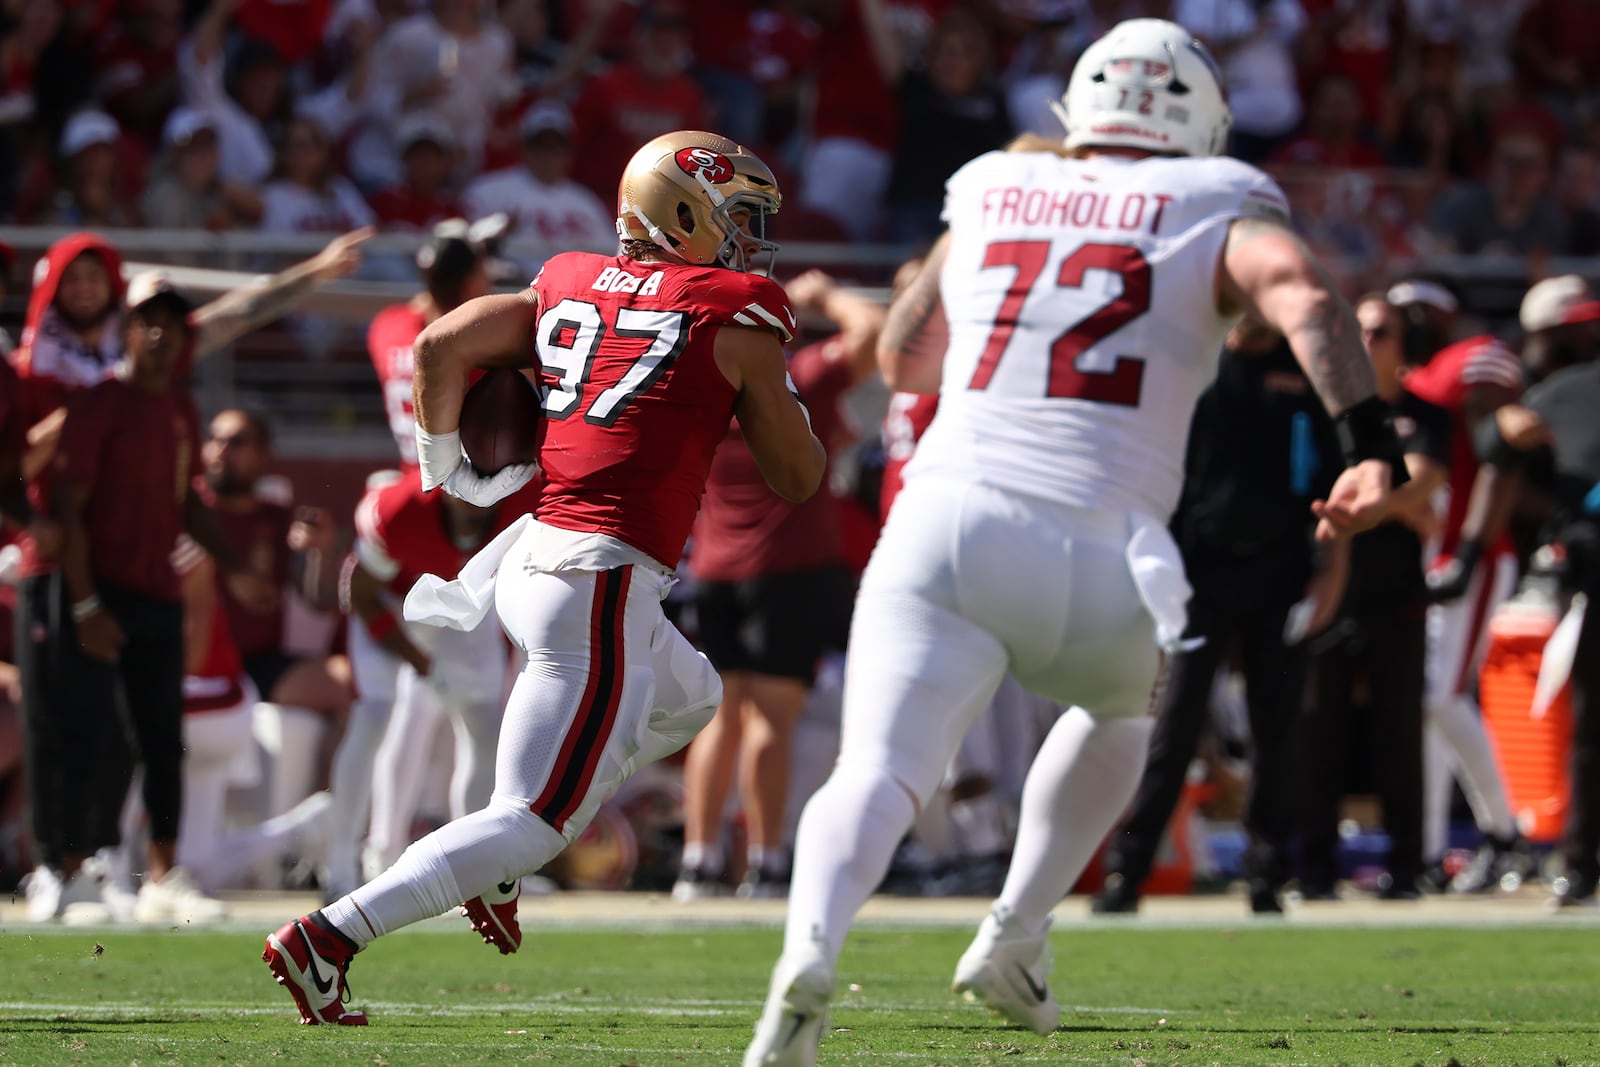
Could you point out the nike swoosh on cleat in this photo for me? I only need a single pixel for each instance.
(800, 1020)
(323, 984)
(1040, 992)
(506, 887)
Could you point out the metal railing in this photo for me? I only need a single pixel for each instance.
(325, 399)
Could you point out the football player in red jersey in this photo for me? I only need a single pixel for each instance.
(452, 267)
(644, 357)
(1471, 379)
(407, 675)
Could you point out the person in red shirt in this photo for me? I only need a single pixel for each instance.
(407, 675)
(640, 98)
(772, 595)
(424, 198)
(856, 120)
(107, 622)
(643, 359)
(453, 271)
(1470, 379)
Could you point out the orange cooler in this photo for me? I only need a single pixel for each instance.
(1533, 752)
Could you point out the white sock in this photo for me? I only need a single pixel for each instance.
(846, 838)
(1438, 776)
(455, 863)
(766, 857)
(703, 856)
(352, 782)
(1463, 731)
(1081, 782)
(982, 826)
(399, 767)
(477, 730)
(291, 736)
(241, 850)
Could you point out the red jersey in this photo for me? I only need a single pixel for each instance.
(401, 533)
(636, 405)
(260, 538)
(389, 339)
(745, 530)
(908, 418)
(215, 684)
(1446, 381)
(136, 453)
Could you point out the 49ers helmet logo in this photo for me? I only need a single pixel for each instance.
(703, 161)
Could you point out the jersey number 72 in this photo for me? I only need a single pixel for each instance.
(1120, 385)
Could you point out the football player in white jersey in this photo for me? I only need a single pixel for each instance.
(1069, 319)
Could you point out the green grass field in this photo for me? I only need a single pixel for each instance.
(667, 994)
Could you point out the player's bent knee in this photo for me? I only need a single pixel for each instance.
(915, 785)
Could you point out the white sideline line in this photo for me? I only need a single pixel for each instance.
(551, 1006)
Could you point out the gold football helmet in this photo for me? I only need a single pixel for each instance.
(680, 191)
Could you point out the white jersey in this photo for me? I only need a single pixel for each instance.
(1080, 296)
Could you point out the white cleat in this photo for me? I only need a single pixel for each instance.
(790, 1027)
(1009, 969)
(43, 888)
(175, 898)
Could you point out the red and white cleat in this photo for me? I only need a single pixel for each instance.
(311, 962)
(494, 915)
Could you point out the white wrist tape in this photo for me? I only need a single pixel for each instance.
(438, 455)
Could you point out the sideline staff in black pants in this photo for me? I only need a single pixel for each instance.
(1374, 649)
(103, 634)
(1261, 449)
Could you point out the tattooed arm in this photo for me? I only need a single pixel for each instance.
(1267, 271)
(236, 313)
(911, 346)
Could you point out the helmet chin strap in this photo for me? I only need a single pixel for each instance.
(656, 236)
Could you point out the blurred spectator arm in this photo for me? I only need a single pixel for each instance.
(1326, 587)
(234, 314)
(70, 503)
(886, 52)
(207, 41)
(249, 588)
(911, 346)
(314, 567)
(199, 615)
(859, 319)
(366, 603)
(581, 52)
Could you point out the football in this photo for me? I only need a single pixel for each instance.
(500, 421)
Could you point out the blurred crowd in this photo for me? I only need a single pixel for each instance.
(1399, 127)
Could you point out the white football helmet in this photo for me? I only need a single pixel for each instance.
(1147, 84)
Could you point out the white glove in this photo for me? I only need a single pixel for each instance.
(480, 490)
